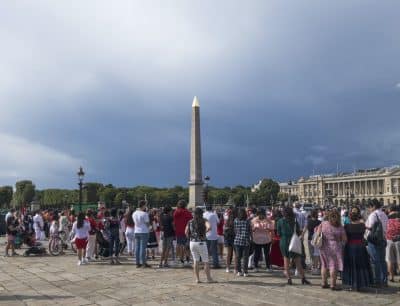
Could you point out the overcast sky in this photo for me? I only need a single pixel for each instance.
(286, 88)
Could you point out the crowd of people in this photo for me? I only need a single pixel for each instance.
(360, 245)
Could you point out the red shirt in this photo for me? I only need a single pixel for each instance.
(181, 218)
(93, 226)
(220, 227)
(393, 229)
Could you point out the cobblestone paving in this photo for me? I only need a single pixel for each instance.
(59, 281)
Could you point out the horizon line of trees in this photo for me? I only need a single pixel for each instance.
(93, 192)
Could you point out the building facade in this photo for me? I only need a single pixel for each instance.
(352, 188)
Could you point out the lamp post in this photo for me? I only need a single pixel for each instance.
(81, 175)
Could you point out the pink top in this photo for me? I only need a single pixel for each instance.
(261, 231)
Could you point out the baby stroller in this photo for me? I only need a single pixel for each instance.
(104, 244)
(34, 247)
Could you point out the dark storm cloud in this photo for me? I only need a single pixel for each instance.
(286, 89)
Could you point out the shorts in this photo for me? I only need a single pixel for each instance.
(10, 238)
(167, 242)
(181, 240)
(199, 250)
(220, 239)
(81, 243)
(228, 242)
(393, 252)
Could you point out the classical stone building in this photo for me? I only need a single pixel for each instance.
(357, 187)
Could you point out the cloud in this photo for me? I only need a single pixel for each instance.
(315, 160)
(319, 148)
(115, 82)
(23, 159)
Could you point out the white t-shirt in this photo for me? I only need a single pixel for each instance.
(212, 218)
(141, 219)
(372, 219)
(83, 232)
(8, 215)
(38, 222)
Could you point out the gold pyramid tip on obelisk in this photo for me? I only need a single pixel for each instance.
(195, 102)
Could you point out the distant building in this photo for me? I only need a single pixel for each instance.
(353, 188)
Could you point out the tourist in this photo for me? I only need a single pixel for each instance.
(122, 229)
(81, 229)
(113, 226)
(91, 245)
(393, 242)
(196, 232)
(220, 232)
(167, 235)
(212, 235)
(377, 249)
(312, 224)
(181, 218)
(12, 229)
(152, 243)
(9, 214)
(262, 229)
(142, 222)
(345, 218)
(357, 272)
(64, 223)
(286, 226)
(241, 243)
(38, 225)
(229, 238)
(130, 232)
(331, 251)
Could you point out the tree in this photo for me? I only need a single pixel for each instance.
(6, 194)
(24, 192)
(92, 192)
(107, 195)
(267, 193)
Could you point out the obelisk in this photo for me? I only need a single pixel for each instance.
(196, 178)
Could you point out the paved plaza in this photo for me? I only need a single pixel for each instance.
(59, 281)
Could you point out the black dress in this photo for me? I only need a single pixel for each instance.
(357, 271)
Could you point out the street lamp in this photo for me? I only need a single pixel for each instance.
(81, 175)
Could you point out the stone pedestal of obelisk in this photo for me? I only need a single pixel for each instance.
(196, 178)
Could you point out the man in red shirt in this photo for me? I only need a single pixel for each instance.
(181, 218)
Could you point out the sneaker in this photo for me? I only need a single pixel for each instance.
(79, 263)
(239, 274)
(227, 270)
(85, 261)
(245, 274)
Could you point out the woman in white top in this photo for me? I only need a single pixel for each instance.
(81, 229)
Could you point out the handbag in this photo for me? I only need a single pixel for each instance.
(295, 243)
(317, 239)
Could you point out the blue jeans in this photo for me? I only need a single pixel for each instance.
(140, 247)
(212, 246)
(114, 245)
(378, 263)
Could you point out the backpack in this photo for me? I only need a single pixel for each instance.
(376, 235)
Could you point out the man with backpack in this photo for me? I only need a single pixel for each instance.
(376, 232)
